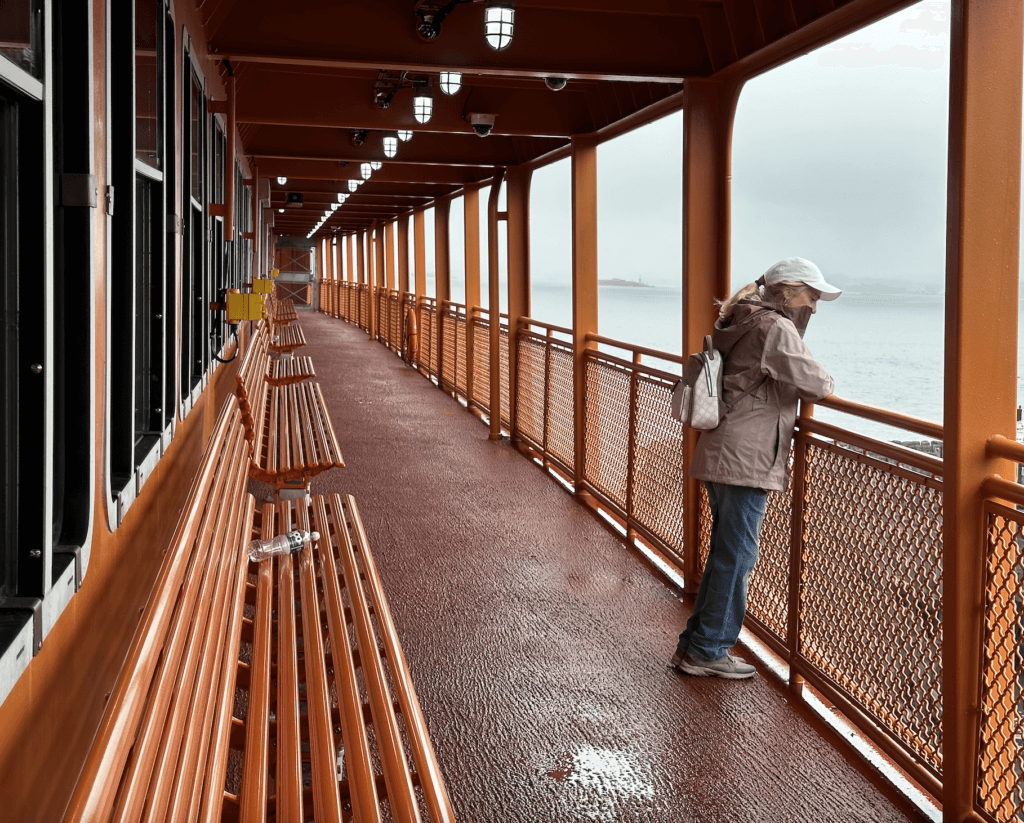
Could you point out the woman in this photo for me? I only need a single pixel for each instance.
(767, 369)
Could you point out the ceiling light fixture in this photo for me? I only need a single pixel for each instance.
(390, 145)
(404, 135)
(282, 180)
(499, 22)
(451, 82)
(423, 104)
(375, 165)
(353, 185)
(342, 197)
(365, 171)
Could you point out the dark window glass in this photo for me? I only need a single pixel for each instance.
(21, 34)
(147, 120)
(148, 317)
(196, 139)
(8, 354)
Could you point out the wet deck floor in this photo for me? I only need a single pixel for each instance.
(538, 642)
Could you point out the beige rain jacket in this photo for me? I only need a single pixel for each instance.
(762, 344)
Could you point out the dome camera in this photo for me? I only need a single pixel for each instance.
(482, 123)
(555, 83)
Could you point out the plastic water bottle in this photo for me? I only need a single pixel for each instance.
(288, 543)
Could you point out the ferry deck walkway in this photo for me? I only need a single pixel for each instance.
(538, 642)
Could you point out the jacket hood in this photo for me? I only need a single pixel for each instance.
(747, 314)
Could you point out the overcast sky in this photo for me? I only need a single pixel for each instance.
(838, 156)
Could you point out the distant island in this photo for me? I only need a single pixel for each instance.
(618, 281)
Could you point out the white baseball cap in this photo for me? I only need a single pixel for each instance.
(798, 270)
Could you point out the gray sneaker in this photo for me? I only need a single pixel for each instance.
(728, 667)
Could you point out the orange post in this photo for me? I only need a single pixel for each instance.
(518, 226)
(982, 250)
(379, 283)
(584, 279)
(471, 221)
(494, 302)
(707, 132)
(420, 252)
(403, 255)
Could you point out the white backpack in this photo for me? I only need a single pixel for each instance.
(697, 396)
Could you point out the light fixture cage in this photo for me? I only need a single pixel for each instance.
(451, 82)
(375, 165)
(422, 107)
(499, 22)
(405, 135)
(365, 170)
(282, 180)
(390, 145)
(353, 185)
(342, 197)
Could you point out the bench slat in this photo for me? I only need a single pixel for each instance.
(94, 796)
(358, 760)
(322, 748)
(216, 767)
(435, 794)
(289, 754)
(255, 775)
(401, 794)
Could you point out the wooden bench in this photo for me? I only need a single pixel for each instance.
(234, 662)
(280, 312)
(289, 369)
(287, 425)
(285, 339)
(331, 591)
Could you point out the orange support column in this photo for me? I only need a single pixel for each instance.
(403, 255)
(420, 252)
(471, 221)
(494, 301)
(442, 276)
(982, 250)
(584, 279)
(518, 225)
(707, 132)
(360, 239)
(377, 279)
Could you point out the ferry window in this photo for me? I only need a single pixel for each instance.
(21, 34)
(428, 243)
(221, 250)
(137, 304)
(839, 156)
(457, 250)
(551, 243)
(195, 285)
(644, 165)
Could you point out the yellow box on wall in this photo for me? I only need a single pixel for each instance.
(262, 286)
(274, 272)
(244, 307)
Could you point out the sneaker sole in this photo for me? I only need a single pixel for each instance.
(701, 671)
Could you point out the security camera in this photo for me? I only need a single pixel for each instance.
(482, 123)
(555, 83)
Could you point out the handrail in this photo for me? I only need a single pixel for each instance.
(918, 425)
(594, 354)
(1000, 446)
(660, 355)
(529, 321)
(996, 486)
(900, 454)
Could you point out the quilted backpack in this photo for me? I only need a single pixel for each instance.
(696, 397)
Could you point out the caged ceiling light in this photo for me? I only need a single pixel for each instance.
(365, 170)
(353, 185)
(375, 165)
(404, 135)
(390, 145)
(451, 82)
(423, 104)
(282, 180)
(342, 197)
(499, 21)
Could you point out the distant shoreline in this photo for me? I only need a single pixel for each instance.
(618, 281)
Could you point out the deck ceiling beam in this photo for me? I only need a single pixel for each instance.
(389, 173)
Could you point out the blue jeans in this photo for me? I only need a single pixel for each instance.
(736, 516)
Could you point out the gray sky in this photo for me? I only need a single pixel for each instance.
(838, 156)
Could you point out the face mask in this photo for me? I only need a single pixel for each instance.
(800, 315)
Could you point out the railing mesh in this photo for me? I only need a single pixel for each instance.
(871, 597)
(1000, 779)
(460, 354)
(506, 413)
(768, 591)
(482, 363)
(606, 437)
(449, 350)
(659, 472)
(561, 420)
(530, 389)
